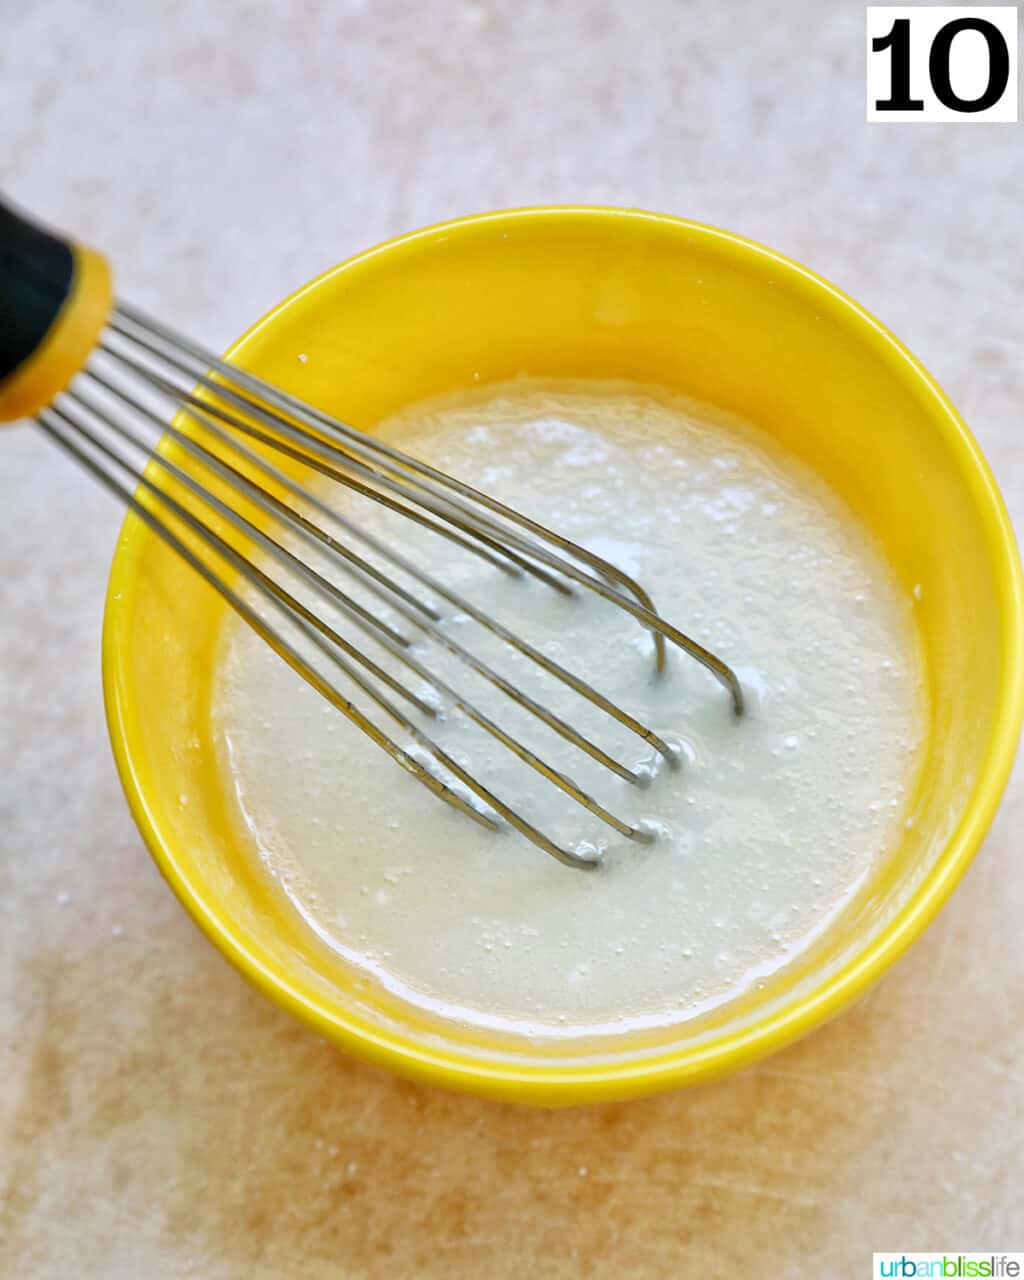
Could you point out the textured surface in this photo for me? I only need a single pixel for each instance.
(157, 1117)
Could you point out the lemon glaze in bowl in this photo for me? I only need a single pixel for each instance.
(594, 293)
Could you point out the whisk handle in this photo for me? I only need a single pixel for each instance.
(55, 297)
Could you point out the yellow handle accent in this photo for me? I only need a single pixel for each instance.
(67, 345)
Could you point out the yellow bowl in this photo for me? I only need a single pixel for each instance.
(620, 294)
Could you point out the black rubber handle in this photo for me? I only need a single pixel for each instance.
(36, 267)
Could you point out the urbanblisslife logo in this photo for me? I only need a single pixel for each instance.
(914, 1266)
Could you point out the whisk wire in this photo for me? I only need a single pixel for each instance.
(319, 539)
(104, 419)
(325, 450)
(395, 643)
(431, 481)
(52, 420)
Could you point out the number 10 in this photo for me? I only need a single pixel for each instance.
(898, 40)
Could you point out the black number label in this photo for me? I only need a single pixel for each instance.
(898, 40)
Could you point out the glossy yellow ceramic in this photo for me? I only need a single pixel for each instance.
(620, 294)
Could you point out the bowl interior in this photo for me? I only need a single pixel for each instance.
(598, 293)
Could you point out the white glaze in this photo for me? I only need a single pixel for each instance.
(763, 835)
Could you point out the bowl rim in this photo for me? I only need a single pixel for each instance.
(683, 1063)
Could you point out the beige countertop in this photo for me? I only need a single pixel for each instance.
(158, 1117)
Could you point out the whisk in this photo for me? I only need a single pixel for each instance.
(192, 445)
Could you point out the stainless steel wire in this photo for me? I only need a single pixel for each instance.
(182, 438)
